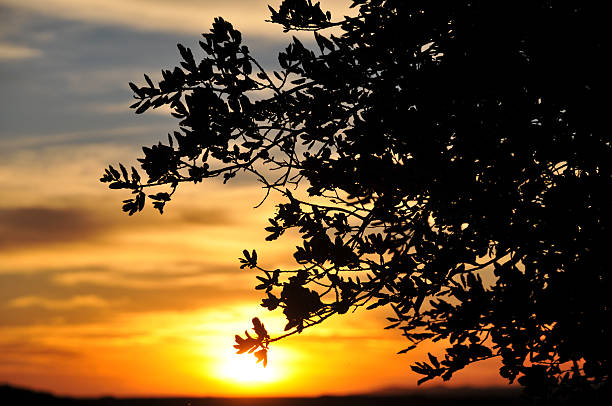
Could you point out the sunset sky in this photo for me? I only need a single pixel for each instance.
(93, 302)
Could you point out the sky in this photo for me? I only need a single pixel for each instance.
(93, 302)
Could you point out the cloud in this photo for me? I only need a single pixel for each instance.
(69, 141)
(208, 216)
(26, 226)
(94, 81)
(13, 52)
(94, 293)
(18, 350)
(182, 16)
(122, 108)
(157, 281)
(59, 304)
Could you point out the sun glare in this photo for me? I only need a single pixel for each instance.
(242, 368)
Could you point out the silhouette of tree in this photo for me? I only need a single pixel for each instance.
(448, 159)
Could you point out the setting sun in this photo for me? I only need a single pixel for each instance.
(243, 369)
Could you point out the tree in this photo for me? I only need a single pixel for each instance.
(448, 159)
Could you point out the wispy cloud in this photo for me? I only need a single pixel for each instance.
(122, 108)
(69, 140)
(59, 304)
(23, 350)
(38, 225)
(76, 296)
(183, 16)
(29, 227)
(155, 281)
(14, 52)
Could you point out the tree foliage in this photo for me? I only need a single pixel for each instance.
(447, 159)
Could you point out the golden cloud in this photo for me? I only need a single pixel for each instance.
(59, 304)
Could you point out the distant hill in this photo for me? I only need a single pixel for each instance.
(10, 395)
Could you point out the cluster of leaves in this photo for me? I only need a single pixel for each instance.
(258, 345)
(449, 160)
(301, 15)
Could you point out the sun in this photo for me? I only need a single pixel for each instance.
(242, 369)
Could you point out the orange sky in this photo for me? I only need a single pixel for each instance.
(95, 302)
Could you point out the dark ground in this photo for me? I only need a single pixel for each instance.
(10, 395)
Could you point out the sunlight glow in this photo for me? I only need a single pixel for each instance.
(242, 368)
